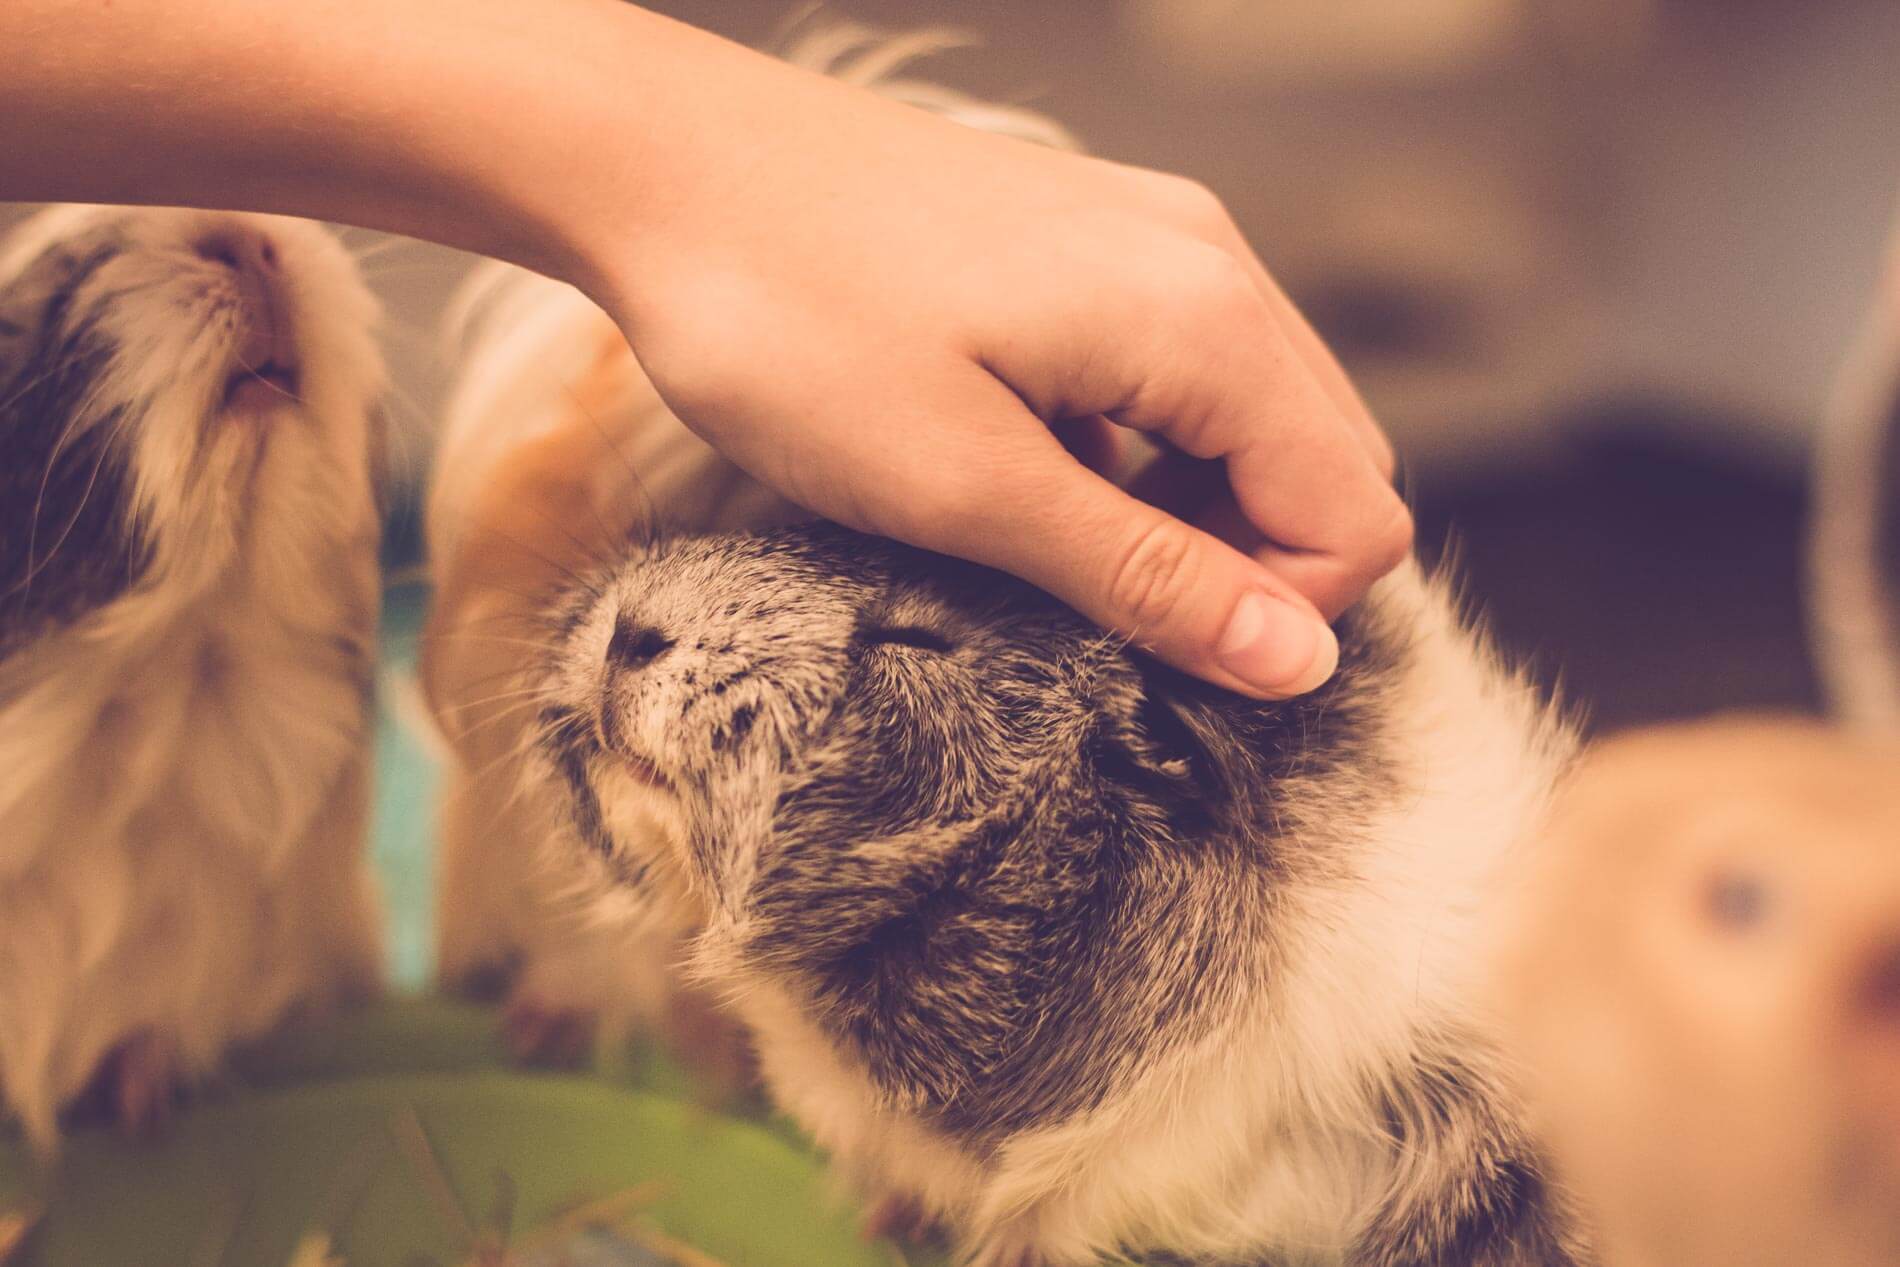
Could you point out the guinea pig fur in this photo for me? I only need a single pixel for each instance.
(1041, 941)
(1047, 942)
(188, 605)
(555, 448)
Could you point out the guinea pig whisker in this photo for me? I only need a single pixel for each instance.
(525, 745)
(526, 597)
(507, 714)
(463, 635)
(522, 622)
(591, 587)
(496, 698)
(46, 477)
(33, 569)
(600, 555)
(20, 393)
(510, 673)
(270, 374)
(647, 521)
(513, 712)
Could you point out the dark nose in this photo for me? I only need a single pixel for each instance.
(635, 646)
(267, 347)
(239, 250)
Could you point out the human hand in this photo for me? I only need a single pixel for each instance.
(879, 313)
(871, 309)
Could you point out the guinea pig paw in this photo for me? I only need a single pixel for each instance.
(902, 1218)
(546, 1034)
(142, 1077)
(712, 1044)
(1007, 1255)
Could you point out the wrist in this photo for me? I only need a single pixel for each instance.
(635, 116)
(544, 150)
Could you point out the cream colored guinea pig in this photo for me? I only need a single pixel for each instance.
(189, 445)
(1704, 987)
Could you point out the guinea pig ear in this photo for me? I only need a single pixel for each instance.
(1160, 744)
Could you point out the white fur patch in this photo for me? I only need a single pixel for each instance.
(183, 772)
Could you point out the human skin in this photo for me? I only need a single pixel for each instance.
(875, 311)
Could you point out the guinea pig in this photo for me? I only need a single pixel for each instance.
(555, 446)
(1703, 984)
(1049, 944)
(554, 449)
(188, 607)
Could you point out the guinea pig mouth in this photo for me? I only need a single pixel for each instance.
(273, 383)
(633, 764)
(638, 767)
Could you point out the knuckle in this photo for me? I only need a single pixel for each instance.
(1153, 576)
(1210, 288)
(1390, 544)
(1191, 204)
(1337, 582)
(1385, 458)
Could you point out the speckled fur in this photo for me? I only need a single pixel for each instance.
(1074, 952)
(1041, 941)
(187, 628)
(556, 447)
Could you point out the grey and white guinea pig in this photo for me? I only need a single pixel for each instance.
(188, 604)
(1049, 944)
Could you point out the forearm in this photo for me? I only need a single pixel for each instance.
(483, 124)
(870, 309)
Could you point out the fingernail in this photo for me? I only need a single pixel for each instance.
(1276, 648)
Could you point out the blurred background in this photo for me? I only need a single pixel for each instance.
(1595, 263)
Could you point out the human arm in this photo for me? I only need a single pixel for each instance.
(873, 310)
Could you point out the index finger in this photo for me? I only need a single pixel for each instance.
(1298, 469)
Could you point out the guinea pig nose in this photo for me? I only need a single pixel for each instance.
(238, 250)
(635, 646)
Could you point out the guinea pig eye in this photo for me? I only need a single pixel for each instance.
(871, 635)
(1737, 901)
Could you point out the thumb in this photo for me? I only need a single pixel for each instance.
(1178, 592)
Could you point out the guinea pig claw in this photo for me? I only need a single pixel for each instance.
(545, 1034)
(898, 1218)
(711, 1044)
(143, 1079)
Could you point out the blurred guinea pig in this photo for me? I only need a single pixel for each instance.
(1704, 987)
(555, 450)
(555, 447)
(188, 606)
(1045, 942)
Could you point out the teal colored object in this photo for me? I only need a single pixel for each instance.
(403, 827)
